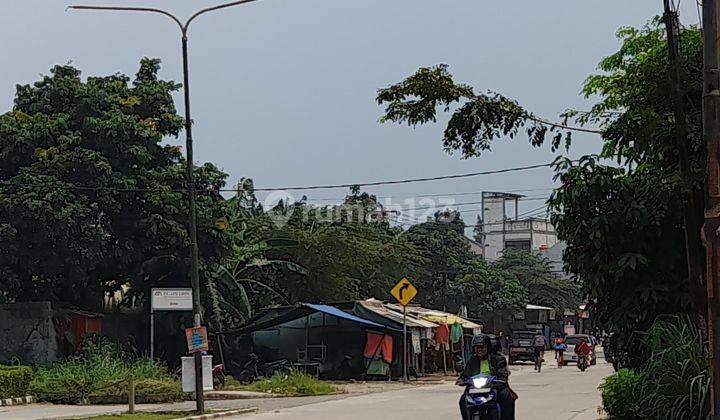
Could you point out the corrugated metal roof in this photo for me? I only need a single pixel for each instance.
(437, 316)
(383, 310)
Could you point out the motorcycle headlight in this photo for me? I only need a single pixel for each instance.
(480, 382)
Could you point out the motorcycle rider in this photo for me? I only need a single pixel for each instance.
(582, 349)
(485, 360)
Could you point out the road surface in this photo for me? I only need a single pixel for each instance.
(553, 394)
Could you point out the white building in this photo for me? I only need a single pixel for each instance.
(502, 228)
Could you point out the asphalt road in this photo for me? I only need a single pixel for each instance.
(553, 394)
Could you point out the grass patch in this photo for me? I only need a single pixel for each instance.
(146, 416)
(100, 375)
(293, 384)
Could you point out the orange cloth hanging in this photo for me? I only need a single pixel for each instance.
(442, 333)
(379, 345)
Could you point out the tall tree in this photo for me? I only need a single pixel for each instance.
(623, 224)
(91, 199)
(544, 287)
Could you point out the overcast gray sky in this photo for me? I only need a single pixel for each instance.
(283, 90)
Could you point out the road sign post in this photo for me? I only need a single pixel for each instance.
(404, 292)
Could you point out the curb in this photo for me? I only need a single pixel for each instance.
(17, 401)
(251, 410)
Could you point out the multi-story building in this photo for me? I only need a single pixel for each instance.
(502, 228)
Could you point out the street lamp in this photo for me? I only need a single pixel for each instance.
(194, 272)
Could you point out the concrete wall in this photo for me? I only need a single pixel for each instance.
(28, 333)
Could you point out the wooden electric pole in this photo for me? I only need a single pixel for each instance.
(711, 136)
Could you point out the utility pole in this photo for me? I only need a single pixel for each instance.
(691, 219)
(711, 136)
(189, 168)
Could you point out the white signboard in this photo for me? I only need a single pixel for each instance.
(171, 299)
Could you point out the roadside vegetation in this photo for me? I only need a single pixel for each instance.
(295, 384)
(100, 374)
(673, 383)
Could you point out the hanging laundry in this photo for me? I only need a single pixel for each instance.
(456, 333)
(379, 345)
(442, 333)
(416, 341)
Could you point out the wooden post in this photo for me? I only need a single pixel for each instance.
(131, 395)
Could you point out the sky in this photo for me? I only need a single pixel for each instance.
(283, 91)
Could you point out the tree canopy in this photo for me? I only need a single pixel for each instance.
(90, 196)
(544, 287)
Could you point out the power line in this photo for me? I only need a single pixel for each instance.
(442, 194)
(293, 188)
(407, 181)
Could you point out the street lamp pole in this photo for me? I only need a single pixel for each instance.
(192, 225)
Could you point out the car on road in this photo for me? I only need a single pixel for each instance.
(574, 339)
(521, 346)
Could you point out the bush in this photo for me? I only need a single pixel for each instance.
(146, 391)
(294, 384)
(672, 383)
(675, 381)
(618, 395)
(102, 370)
(14, 381)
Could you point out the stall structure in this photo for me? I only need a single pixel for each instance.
(319, 339)
(420, 330)
(451, 337)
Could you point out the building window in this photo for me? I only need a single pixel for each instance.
(520, 245)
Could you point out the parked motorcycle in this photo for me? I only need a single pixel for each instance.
(583, 363)
(254, 368)
(481, 397)
(218, 373)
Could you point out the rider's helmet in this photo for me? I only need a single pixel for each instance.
(482, 340)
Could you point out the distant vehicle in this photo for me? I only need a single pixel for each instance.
(521, 346)
(571, 341)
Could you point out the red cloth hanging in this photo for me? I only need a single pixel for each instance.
(442, 333)
(379, 345)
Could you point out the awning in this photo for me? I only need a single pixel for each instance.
(539, 308)
(380, 309)
(437, 316)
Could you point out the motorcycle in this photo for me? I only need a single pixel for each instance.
(254, 368)
(583, 363)
(481, 397)
(218, 373)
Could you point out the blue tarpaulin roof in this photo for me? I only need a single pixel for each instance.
(304, 310)
(331, 310)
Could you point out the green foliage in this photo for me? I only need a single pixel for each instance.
(483, 288)
(102, 369)
(350, 251)
(674, 381)
(544, 287)
(451, 275)
(296, 384)
(477, 120)
(14, 381)
(91, 197)
(624, 226)
(618, 395)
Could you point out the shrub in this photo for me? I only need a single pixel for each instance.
(295, 384)
(675, 381)
(618, 395)
(101, 370)
(14, 381)
(672, 383)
